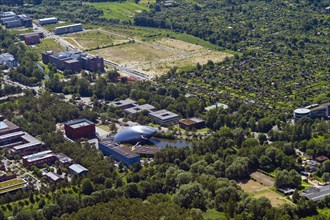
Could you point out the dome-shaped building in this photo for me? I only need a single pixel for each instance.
(135, 134)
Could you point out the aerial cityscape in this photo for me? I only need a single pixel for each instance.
(164, 109)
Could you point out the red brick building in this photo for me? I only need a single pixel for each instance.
(190, 123)
(81, 128)
(32, 39)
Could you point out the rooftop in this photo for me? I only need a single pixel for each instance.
(64, 158)
(123, 102)
(7, 126)
(146, 150)
(163, 114)
(78, 123)
(66, 26)
(122, 150)
(217, 105)
(47, 19)
(27, 145)
(37, 156)
(139, 108)
(7, 14)
(53, 176)
(316, 194)
(191, 121)
(6, 57)
(77, 168)
(302, 111)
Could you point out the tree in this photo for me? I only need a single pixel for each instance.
(87, 186)
(191, 196)
(51, 210)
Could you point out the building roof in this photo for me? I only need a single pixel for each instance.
(5, 57)
(321, 159)
(315, 193)
(64, 158)
(217, 105)
(77, 168)
(37, 156)
(7, 14)
(27, 145)
(123, 103)
(140, 108)
(12, 135)
(135, 133)
(48, 19)
(53, 176)
(302, 111)
(78, 123)
(122, 150)
(163, 114)
(7, 126)
(67, 26)
(146, 150)
(191, 121)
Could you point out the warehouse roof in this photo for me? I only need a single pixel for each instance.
(316, 194)
(77, 168)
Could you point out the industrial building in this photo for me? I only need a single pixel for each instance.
(189, 123)
(313, 111)
(28, 148)
(68, 29)
(45, 21)
(164, 117)
(11, 20)
(73, 61)
(135, 134)
(119, 153)
(6, 59)
(315, 193)
(81, 128)
(77, 169)
(39, 159)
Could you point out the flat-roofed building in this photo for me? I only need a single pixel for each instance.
(7, 59)
(81, 128)
(77, 169)
(64, 160)
(216, 106)
(164, 117)
(39, 159)
(73, 61)
(53, 178)
(7, 127)
(316, 193)
(124, 104)
(146, 151)
(32, 38)
(28, 148)
(7, 14)
(189, 123)
(68, 29)
(139, 108)
(119, 153)
(313, 111)
(11, 138)
(45, 21)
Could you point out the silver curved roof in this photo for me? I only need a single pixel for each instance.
(302, 111)
(135, 134)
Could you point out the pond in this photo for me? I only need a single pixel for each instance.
(160, 142)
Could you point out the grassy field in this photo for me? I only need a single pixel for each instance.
(46, 45)
(93, 39)
(104, 127)
(251, 186)
(124, 11)
(212, 214)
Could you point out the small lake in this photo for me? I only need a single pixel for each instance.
(160, 142)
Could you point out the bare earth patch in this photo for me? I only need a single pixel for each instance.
(275, 199)
(157, 57)
(251, 186)
(263, 179)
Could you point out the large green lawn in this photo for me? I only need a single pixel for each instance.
(124, 11)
